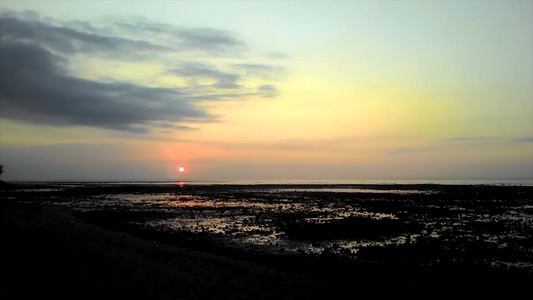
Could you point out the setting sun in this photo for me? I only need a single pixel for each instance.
(335, 147)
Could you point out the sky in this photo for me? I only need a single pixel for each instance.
(284, 90)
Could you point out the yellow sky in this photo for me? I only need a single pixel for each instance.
(368, 89)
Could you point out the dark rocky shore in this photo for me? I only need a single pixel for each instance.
(52, 249)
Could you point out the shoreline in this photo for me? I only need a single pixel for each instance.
(51, 251)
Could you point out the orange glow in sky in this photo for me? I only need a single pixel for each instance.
(410, 90)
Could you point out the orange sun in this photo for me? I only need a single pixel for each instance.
(181, 169)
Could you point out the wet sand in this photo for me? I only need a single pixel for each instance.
(47, 251)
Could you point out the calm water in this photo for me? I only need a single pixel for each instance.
(511, 182)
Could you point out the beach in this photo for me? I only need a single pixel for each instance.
(50, 249)
(284, 150)
(47, 252)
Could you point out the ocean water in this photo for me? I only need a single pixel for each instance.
(502, 182)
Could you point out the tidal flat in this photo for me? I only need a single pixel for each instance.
(386, 238)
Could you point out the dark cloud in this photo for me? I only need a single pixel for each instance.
(37, 84)
(528, 139)
(34, 89)
(67, 40)
(118, 40)
(172, 126)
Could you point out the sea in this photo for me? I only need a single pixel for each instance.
(495, 182)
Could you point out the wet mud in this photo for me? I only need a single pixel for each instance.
(406, 235)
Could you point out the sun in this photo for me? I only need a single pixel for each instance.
(181, 169)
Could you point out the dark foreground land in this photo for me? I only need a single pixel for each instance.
(52, 249)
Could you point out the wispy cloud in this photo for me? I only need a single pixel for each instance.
(66, 40)
(124, 39)
(207, 40)
(406, 150)
(196, 71)
(261, 70)
(277, 55)
(268, 90)
(470, 138)
(527, 139)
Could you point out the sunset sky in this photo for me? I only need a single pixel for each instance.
(347, 90)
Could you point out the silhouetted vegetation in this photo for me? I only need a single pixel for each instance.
(3, 185)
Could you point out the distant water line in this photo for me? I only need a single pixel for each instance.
(183, 181)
